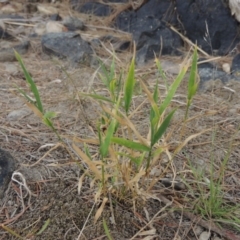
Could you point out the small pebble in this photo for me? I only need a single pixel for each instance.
(204, 236)
(198, 230)
(226, 67)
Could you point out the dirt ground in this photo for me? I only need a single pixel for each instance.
(51, 174)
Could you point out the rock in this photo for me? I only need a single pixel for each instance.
(94, 8)
(73, 23)
(11, 68)
(14, 17)
(217, 238)
(17, 114)
(205, 23)
(47, 10)
(226, 68)
(69, 45)
(175, 184)
(207, 74)
(116, 1)
(30, 8)
(205, 236)
(235, 69)
(54, 27)
(198, 230)
(10, 8)
(7, 167)
(8, 55)
(55, 17)
(208, 71)
(40, 29)
(5, 35)
(149, 29)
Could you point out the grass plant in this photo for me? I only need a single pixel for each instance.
(125, 157)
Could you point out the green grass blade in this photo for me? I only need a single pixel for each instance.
(112, 71)
(107, 230)
(10, 231)
(130, 144)
(50, 114)
(160, 70)
(154, 113)
(107, 77)
(104, 144)
(161, 130)
(136, 160)
(45, 225)
(31, 83)
(112, 88)
(173, 89)
(26, 96)
(192, 84)
(87, 152)
(129, 86)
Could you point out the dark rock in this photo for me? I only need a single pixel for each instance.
(96, 43)
(16, 18)
(8, 55)
(205, 64)
(209, 24)
(235, 69)
(69, 45)
(94, 8)
(30, 8)
(149, 29)
(5, 35)
(207, 74)
(55, 17)
(116, 1)
(73, 23)
(7, 167)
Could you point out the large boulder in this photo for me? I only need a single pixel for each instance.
(149, 26)
(69, 45)
(209, 24)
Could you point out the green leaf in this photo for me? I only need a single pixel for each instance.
(107, 230)
(162, 129)
(192, 83)
(86, 149)
(107, 78)
(104, 144)
(26, 96)
(160, 70)
(130, 144)
(112, 88)
(129, 86)
(10, 231)
(50, 114)
(44, 227)
(154, 112)
(136, 160)
(30, 82)
(48, 122)
(172, 90)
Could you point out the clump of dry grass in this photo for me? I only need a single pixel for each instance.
(120, 160)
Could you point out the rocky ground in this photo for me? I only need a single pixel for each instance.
(42, 200)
